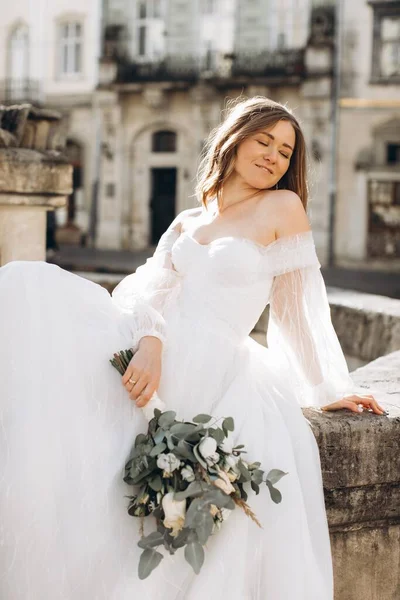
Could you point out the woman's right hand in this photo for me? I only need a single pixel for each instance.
(142, 377)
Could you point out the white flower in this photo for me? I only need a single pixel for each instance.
(174, 511)
(213, 459)
(227, 444)
(168, 463)
(223, 483)
(231, 461)
(225, 512)
(187, 473)
(207, 447)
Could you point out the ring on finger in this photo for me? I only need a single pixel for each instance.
(133, 381)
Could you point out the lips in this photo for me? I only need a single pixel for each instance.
(265, 168)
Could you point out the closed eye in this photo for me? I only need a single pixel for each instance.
(281, 153)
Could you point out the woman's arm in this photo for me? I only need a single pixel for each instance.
(145, 296)
(300, 326)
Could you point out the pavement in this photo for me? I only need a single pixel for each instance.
(123, 262)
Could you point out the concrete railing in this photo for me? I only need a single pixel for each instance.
(34, 178)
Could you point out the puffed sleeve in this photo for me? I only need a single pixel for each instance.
(146, 294)
(300, 329)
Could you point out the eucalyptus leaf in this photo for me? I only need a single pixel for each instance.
(202, 418)
(257, 476)
(194, 554)
(204, 525)
(255, 487)
(156, 483)
(159, 435)
(275, 475)
(194, 489)
(245, 473)
(276, 496)
(228, 424)
(149, 560)
(166, 418)
(158, 449)
(155, 538)
(182, 428)
(217, 434)
(181, 538)
(198, 456)
(185, 450)
(140, 439)
(170, 441)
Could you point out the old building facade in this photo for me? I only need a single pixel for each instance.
(368, 176)
(49, 57)
(167, 71)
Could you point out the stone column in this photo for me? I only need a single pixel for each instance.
(34, 178)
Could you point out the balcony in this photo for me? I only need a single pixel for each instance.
(266, 67)
(19, 91)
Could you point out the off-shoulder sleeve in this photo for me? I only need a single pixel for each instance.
(300, 329)
(146, 294)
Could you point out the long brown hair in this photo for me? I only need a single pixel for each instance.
(244, 118)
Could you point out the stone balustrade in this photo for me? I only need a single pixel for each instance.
(34, 178)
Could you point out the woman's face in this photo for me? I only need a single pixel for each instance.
(263, 158)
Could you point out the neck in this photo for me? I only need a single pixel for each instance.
(235, 191)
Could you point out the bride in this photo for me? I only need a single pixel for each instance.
(67, 421)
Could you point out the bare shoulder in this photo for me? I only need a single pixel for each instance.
(289, 214)
(184, 215)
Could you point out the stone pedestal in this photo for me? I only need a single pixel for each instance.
(34, 178)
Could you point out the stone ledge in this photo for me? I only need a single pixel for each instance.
(24, 171)
(360, 463)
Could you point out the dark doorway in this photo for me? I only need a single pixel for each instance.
(75, 155)
(162, 201)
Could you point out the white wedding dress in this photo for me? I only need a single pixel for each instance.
(67, 424)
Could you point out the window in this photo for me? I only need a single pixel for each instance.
(18, 66)
(164, 141)
(71, 48)
(390, 46)
(393, 154)
(148, 28)
(386, 41)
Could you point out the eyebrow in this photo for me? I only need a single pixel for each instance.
(273, 139)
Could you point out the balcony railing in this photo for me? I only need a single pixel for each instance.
(17, 91)
(266, 65)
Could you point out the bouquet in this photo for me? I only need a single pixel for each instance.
(189, 476)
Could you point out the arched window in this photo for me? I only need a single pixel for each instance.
(164, 141)
(18, 63)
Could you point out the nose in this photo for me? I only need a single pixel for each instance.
(270, 155)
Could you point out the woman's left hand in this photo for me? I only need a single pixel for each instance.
(356, 403)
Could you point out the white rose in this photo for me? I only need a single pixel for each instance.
(175, 511)
(168, 463)
(207, 447)
(223, 483)
(227, 444)
(188, 473)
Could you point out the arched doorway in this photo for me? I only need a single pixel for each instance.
(163, 186)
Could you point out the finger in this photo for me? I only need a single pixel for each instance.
(353, 406)
(371, 403)
(132, 379)
(129, 374)
(139, 386)
(145, 396)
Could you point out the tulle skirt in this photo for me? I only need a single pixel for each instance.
(66, 429)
